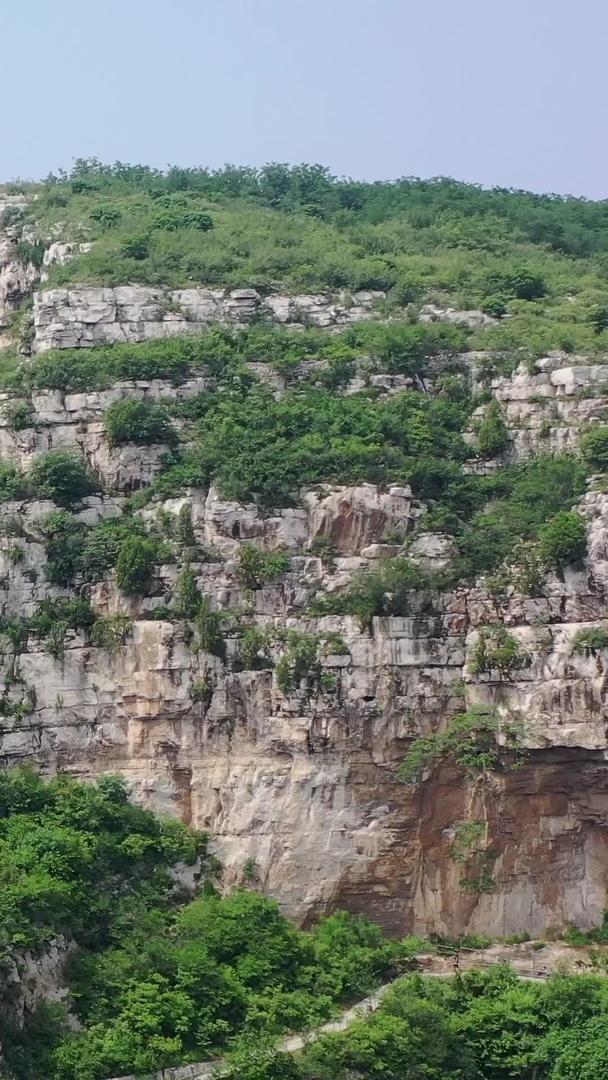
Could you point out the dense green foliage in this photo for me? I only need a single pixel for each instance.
(60, 475)
(486, 1026)
(469, 740)
(398, 348)
(256, 446)
(594, 447)
(512, 505)
(154, 981)
(135, 564)
(77, 859)
(75, 550)
(563, 539)
(143, 422)
(539, 258)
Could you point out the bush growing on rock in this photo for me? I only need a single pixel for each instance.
(493, 434)
(73, 548)
(594, 448)
(386, 591)
(188, 596)
(135, 565)
(142, 422)
(254, 652)
(258, 567)
(591, 640)
(470, 740)
(13, 484)
(19, 415)
(208, 626)
(299, 661)
(498, 650)
(111, 631)
(563, 540)
(61, 475)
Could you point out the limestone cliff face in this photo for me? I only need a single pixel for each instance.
(299, 788)
(81, 317)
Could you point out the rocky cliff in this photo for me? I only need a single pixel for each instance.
(298, 785)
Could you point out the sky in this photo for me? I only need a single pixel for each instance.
(511, 93)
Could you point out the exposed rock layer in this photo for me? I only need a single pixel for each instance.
(301, 786)
(81, 317)
(299, 789)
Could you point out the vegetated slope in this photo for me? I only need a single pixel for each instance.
(116, 580)
(153, 976)
(479, 1026)
(258, 446)
(539, 259)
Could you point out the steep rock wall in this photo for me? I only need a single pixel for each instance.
(299, 788)
(81, 317)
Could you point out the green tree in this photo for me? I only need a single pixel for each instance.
(493, 435)
(135, 565)
(143, 422)
(594, 448)
(188, 596)
(61, 475)
(563, 540)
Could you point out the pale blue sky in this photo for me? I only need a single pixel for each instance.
(512, 93)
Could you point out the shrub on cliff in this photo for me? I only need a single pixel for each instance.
(61, 475)
(563, 540)
(13, 484)
(493, 434)
(469, 740)
(135, 565)
(386, 591)
(19, 415)
(299, 661)
(208, 627)
(591, 640)
(594, 448)
(142, 422)
(498, 650)
(258, 567)
(187, 595)
(73, 548)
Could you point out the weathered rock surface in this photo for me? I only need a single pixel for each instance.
(301, 785)
(17, 277)
(80, 317)
(548, 411)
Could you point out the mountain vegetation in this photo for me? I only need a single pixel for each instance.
(155, 977)
(541, 260)
(162, 968)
